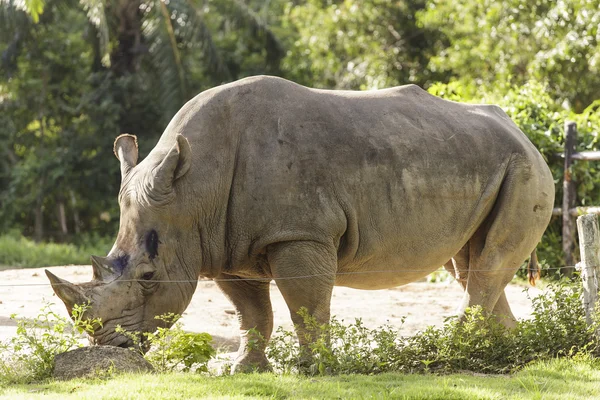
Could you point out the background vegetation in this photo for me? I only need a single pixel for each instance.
(75, 74)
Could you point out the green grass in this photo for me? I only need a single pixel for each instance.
(19, 252)
(556, 379)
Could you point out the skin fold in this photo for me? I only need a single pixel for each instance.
(263, 179)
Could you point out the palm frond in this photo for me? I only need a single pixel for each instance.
(243, 16)
(14, 25)
(198, 32)
(166, 58)
(96, 14)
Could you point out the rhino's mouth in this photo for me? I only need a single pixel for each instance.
(111, 339)
(108, 336)
(120, 340)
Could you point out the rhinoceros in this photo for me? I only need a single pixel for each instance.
(263, 179)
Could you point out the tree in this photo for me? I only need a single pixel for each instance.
(75, 75)
(358, 45)
(510, 42)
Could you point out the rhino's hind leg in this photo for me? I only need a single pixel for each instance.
(252, 302)
(458, 266)
(305, 275)
(505, 239)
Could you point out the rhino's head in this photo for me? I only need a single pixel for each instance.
(150, 270)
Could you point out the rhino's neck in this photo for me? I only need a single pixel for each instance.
(212, 194)
(186, 277)
(207, 188)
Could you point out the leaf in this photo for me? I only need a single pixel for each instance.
(34, 8)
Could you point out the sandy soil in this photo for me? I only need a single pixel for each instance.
(24, 291)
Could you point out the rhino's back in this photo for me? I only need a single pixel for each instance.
(395, 178)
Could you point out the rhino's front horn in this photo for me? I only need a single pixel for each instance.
(69, 293)
(101, 268)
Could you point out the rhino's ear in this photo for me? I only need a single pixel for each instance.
(126, 150)
(175, 164)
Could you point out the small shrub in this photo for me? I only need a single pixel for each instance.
(558, 327)
(174, 349)
(478, 343)
(29, 356)
(440, 276)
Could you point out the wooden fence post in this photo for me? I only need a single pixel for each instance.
(568, 225)
(589, 245)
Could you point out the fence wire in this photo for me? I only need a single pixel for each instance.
(269, 279)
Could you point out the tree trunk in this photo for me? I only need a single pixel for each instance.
(76, 221)
(39, 216)
(125, 57)
(62, 218)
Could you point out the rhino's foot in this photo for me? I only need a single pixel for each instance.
(249, 363)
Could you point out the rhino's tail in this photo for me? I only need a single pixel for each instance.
(533, 268)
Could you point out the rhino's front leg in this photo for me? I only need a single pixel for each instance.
(305, 273)
(253, 306)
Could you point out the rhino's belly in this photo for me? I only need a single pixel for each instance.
(379, 280)
(385, 272)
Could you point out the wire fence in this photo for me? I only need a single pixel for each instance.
(269, 279)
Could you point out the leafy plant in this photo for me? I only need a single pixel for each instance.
(477, 343)
(29, 356)
(174, 349)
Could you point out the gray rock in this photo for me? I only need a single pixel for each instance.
(95, 360)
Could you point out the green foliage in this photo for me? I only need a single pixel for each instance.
(17, 251)
(73, 81)
(34, 8)
(499, 44)
(478, 343)
(441, 275)
(357, 45)
(29, 356)
(50, 143)
(558, 326)
(174, 349)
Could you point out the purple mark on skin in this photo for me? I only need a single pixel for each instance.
(152, 244)
(121, 262)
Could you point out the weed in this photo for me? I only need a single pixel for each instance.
(29, 355)
(174, 349)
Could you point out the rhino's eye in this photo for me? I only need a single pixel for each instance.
(148, 276)
(152, 244)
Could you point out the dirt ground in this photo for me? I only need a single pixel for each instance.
(23, 292)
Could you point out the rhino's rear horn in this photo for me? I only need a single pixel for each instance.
(101, 268)
(69, 293)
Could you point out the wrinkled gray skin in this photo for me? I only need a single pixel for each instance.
(263, 178)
